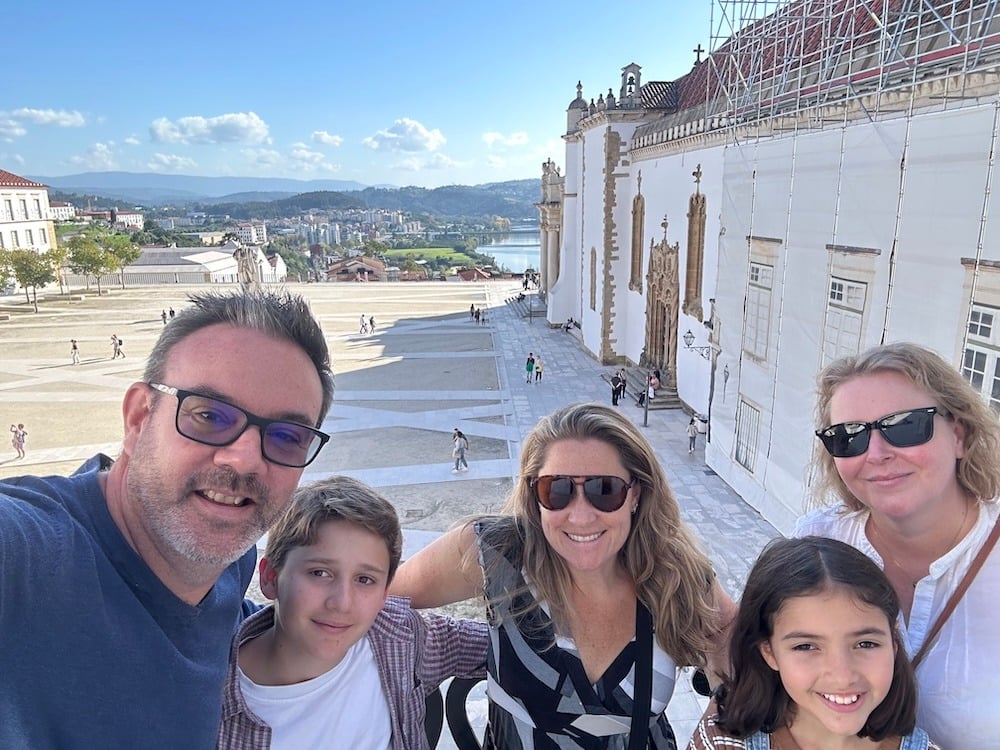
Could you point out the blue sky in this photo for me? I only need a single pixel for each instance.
(400, 93)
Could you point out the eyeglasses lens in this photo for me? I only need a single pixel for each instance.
(211, 422)
(903, 429)
(606, 493)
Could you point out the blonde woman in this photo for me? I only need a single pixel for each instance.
(596, 589)
(909, 463)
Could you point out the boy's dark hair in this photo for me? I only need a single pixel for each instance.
(753, 698)
(282, 315)
(335, 498)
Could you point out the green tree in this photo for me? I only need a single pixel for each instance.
(87, 257)
(32, 270)
(58, 255)
(122, 249)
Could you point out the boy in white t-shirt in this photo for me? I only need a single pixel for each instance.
(334, 662)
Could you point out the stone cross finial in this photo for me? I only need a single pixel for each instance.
(697, 51)
(697, 176)
(664, 224)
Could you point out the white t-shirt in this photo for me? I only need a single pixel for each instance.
(345, 707)
(959, 678)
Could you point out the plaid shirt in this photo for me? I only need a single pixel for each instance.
(414, 654)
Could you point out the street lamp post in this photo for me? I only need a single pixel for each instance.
(645, 402)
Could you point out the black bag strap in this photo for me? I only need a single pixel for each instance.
(638, 734)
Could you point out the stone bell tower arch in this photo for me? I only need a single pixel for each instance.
(662, 306)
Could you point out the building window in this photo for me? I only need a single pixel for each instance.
(38, 209)
(638, 220)
(758, 310)
(9, 208)
(14, 241)
(45, 236)
(1, 240)
(845, 310)
(24, 208)
(747, 426)
(30, 237)
(981, 358)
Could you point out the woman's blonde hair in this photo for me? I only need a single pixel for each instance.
(673, 577)
(978, 470)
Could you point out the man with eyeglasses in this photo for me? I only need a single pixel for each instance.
(121, 586)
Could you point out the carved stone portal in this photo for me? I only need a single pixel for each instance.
(662, 305)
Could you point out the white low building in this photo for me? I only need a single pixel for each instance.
(25, 220)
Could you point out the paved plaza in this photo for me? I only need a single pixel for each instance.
(400, 391)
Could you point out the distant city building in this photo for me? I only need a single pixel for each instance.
(207, 238)
(252, 233)
(25, 219)
(59, 211)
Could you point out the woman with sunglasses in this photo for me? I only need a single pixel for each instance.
(595, 589)
(910, 455)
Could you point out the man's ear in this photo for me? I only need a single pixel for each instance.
(768, 655)
(136, 408)
(268, 579)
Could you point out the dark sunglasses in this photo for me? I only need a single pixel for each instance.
(605, 493)
(903, 429)
(210, 421)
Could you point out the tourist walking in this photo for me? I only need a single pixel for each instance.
(692, 430)
(163, 315)
(364, 325)
(116, 347)
(529, 367)
(617, 387)
(19, 436)
(371, 324)
(472, 312)
(74, 352)
(460, 444)
(477, 315)
(539, 366)
(172, 313)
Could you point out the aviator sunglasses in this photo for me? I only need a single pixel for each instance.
(605, 493)
(902, 429)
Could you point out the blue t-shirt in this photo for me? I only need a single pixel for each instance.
(95, 652)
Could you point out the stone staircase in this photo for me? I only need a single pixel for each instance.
(635, 377)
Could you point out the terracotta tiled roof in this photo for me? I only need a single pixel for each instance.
(658, 95)
(8, 179)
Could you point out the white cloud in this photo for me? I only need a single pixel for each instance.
(262, 157)
(434, 161)
(493, 138)
(16, 158)
(406, 135)
(495, 162)
(235, 127)
(327, 139)
(300, 153)
(98, 158)
(132, 140)
(170, 163)
(13, 122)
(59, 117)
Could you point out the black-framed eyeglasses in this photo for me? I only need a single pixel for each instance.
(903, 429)
(606, 493)
(212, 421)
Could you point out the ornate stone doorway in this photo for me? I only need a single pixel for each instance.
(662, 305)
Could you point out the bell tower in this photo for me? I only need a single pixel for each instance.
(628, 97)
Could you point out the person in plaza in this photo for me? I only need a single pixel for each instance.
(364, 325)
(123, 584)
(692, 433)
(459, 447)
(617, 387)
(163, 316)
(539, 368)
(529, 367)
(593, 585)
(817, 660)
(472, 311)
(333, 642)
(907, 454)
(371, 324)
(477, 315)
(568, 325)
(18, 438)
(74, 352)
(172, 313)
(116, 347)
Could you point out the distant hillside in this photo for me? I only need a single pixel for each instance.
(513, 200)
(152, 188)
(273, 198)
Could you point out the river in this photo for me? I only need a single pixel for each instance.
(518, 250)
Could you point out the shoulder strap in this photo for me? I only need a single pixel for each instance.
(638, 735)
(966, 581)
